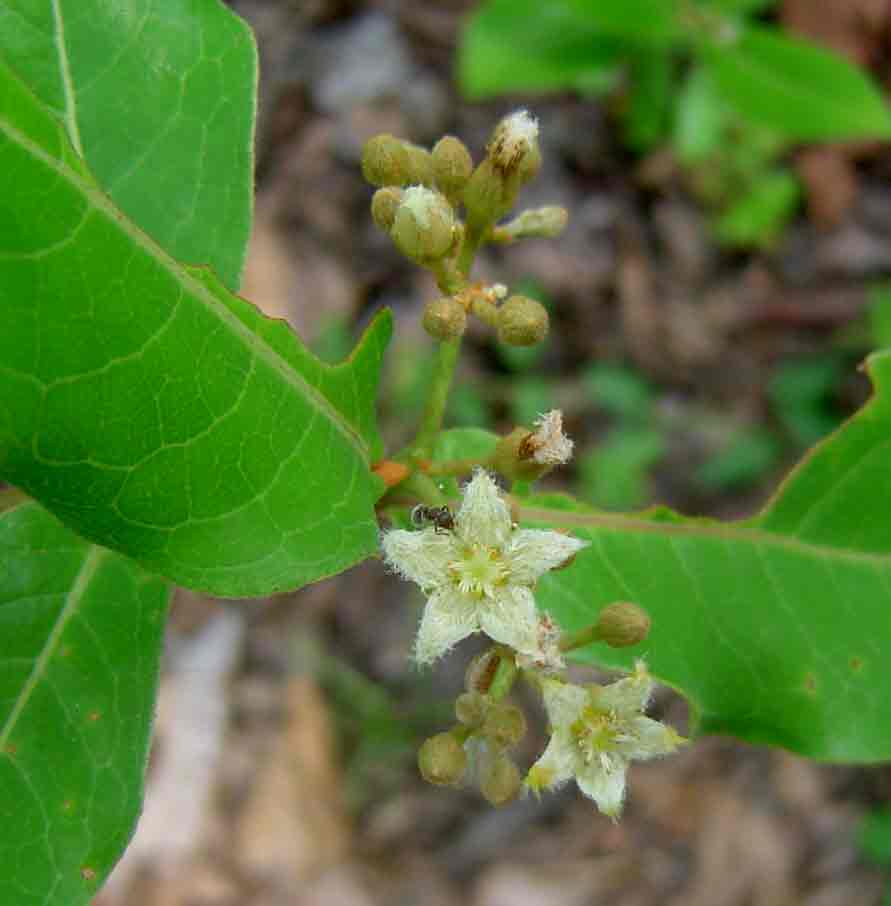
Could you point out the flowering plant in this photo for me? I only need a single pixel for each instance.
(157, 428)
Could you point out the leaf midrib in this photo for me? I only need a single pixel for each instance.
(194, 287)
(73, 599)
(719, 531)
(65, 76)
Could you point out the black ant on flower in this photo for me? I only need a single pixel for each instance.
(440, 517)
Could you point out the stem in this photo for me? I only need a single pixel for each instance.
(424, 488)
(431, 422)
(569, 641)
(457, 466)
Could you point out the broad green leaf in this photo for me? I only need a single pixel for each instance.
(653, 78)
(775, 628)
(761, 214)
(804, 92)
(644, 21)
(525, 45)
(700, 119)
(155, 412)
(158, 97)
(82, 629)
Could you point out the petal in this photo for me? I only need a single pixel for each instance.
(530, 553)
(448, 618)
(556, 765)
(422, 557)
(484, 517)
(605, 786)
(510, 617)
(629, 695)
(564, 702)
(648, 738)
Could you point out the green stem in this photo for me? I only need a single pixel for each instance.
(424, 488)
(569, 641)
(431, 422)
(458, 466)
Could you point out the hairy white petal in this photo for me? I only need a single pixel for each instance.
(564, 702)
(510, 617)
(421, 557)
(628, 695)
(648, 738)
(532, 552)
(605, 786)
(556, 764)
(484, 518)
(448, 618)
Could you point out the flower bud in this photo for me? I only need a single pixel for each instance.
(471, 708)
(513, 148)
(385, 161)
(481, 671)
(522, 322)
(504, 725)
(384, 204)
(499, 780)
(622, 624)
(509, 461)
(536, 223)
(445, 319)
(420, 165)
(424, 225)
(452, 166)
(488, 195)
(442, 760)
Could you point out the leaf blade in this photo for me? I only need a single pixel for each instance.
(180, 427)
(78, 678)
(160, 106)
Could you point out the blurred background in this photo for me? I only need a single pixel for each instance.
(710, 302)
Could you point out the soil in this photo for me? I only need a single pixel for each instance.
(283, 769)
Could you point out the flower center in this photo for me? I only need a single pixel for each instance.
(596, 734)
(479, 571)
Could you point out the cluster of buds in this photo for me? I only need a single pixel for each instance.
(418, 203)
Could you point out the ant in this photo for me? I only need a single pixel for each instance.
(439, 516)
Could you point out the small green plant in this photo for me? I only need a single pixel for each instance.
(726, 91)
(156, 428)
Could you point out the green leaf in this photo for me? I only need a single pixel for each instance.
(741, 7)
(804, 92)
(801, 393)
(775, 628)
(525, 45)
(643, 21)
(652, 95)
(874, 838)
(760, 216)
(82, 631)
(700, 120)
(879, 316)
(161, 106)
(153, 411)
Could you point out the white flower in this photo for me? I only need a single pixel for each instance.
(479, 576)
(548, 445)
(549, 658)
(596, 732)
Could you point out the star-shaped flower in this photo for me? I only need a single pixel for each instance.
(479, 575)
(596, 732)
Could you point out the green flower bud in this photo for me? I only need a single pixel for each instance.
(424, 226)
(385, 161)
(504, 725)
(488, 195)
(499, 780)
(442, 760)
(622, 624)
(509, 459)
(536, 223)
(445, 319)
(452, 166)
(513, 148)
(522, 322)
(420, 165)
(471, 708)
(384, 204)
